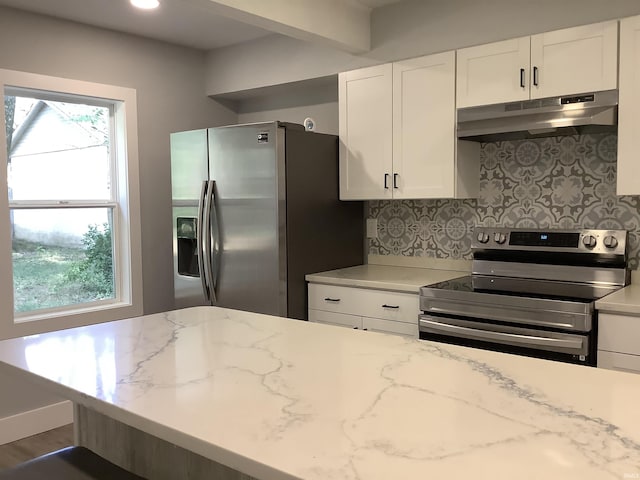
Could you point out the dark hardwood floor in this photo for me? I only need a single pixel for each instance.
(16, 452)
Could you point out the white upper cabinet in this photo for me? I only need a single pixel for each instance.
(399, 142)
(365, 129)
(493, 73)
(574, 60)
(629, 108)
(564, 62)
(423, 120)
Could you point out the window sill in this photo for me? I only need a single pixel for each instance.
(34, 324)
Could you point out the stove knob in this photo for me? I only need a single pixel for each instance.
(483, 237)
(589, 241)
(499, 238)
(610, 241)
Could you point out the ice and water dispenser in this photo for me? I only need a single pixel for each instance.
(187, 229)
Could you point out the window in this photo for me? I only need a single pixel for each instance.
(73, 217)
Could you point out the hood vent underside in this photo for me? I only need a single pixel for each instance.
(568, 115)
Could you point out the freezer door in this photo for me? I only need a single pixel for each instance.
(188, 164)
(189, 168)
(247, 164)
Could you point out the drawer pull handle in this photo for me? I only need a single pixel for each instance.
(391, 306)
(328, 299)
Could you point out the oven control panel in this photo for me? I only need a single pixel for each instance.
(578, 241)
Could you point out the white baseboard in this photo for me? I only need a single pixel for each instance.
(36, 421)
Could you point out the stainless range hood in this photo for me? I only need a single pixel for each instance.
(567, 115)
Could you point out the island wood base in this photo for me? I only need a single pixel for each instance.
(144, 454)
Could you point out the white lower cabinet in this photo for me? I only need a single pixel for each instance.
(362, 308)
(618, 346)
(332, 318)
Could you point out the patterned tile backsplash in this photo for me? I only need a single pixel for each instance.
(553, 182)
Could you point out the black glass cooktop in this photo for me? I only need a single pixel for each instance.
(520, 288)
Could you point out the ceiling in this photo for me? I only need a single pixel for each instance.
(182, 22)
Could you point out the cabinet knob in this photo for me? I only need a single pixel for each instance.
(391, 306)
(329, 299)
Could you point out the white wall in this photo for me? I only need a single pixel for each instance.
(170, 89)
(403, 30)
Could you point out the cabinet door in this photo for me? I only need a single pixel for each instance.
(618, 333)
(339, 319)
(424, 127)
(388, 326)
(493, 73)
(365, 111)
(574, 60)
(629, 108)
(619, 361)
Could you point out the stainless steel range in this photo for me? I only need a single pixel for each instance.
(530, 292)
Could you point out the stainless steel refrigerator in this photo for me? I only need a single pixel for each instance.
(256, 208)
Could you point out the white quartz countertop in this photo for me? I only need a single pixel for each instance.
(278, 399)
(403, 279)
(624, 301)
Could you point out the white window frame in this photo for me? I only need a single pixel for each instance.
(127, 243)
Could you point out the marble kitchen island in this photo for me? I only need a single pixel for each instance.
(275, 398)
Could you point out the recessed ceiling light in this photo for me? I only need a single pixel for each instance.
(145, 4)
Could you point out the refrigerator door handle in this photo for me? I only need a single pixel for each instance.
(214, 236)
(201, 236)
(200, 227)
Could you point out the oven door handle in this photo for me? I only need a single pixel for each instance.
(531, 341)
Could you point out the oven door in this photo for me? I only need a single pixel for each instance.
(507, 338)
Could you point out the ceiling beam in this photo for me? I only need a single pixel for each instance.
(342, 24)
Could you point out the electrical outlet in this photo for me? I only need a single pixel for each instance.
(372, 228)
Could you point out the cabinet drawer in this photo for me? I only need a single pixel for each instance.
(331, 298)
(389, 326)
(399, 307)
(396, 306)
(619, 333)
(619, 361)
(341, 319)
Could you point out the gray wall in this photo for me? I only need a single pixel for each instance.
(419, 27)
(21, 396)
(294, 103)
(170, 86)
(404, 30)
